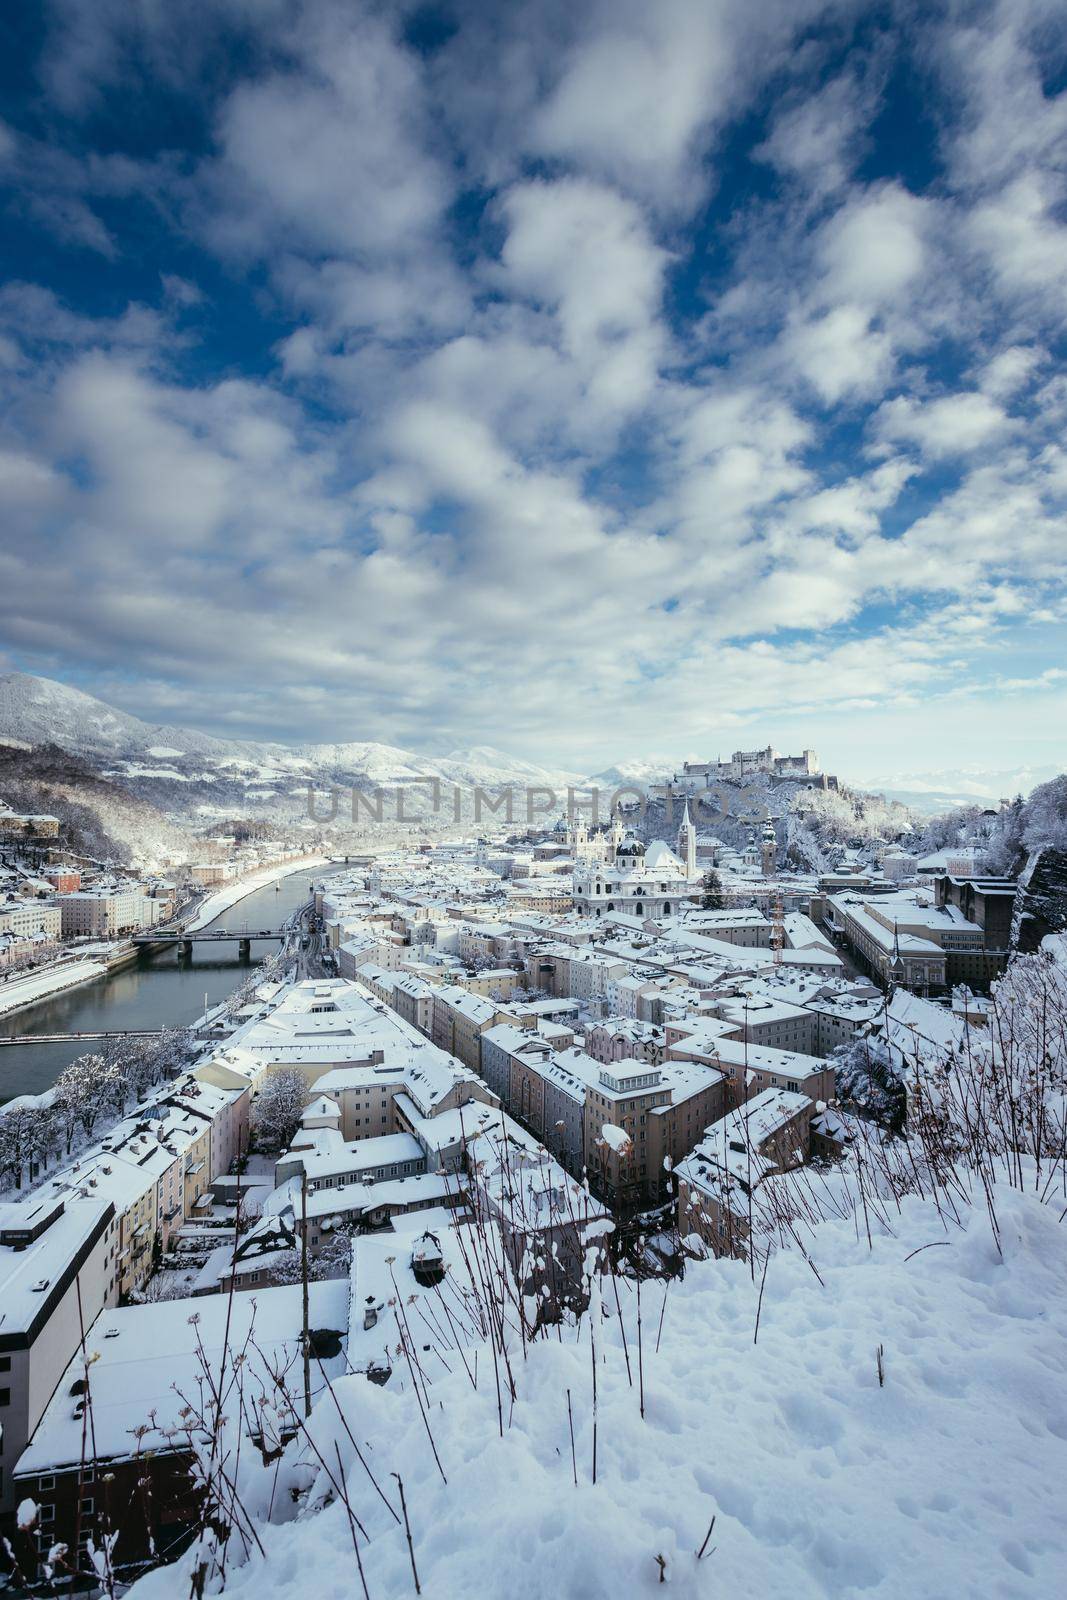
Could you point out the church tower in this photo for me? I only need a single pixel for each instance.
(768, 850)
(687, 843)
(615, 837)
(897, 969)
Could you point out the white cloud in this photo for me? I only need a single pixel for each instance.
(737, 452)
(840, 353)
(584, 253)
(819, 139)
(1008, 123)
(563, 443)
(874, 248)
(1018, 231)
(26, 482)
(634, 96)
(955, 424)
(1005, 148)
(335, 156)
(625, 92)
(1006, 516)
(1011, 370)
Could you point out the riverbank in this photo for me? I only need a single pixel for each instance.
(150, 993)
(19, 993)
(233, 893)
(36, 986)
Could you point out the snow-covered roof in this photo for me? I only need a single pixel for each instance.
(659, 857)
(34, 1277)
(348, 1200)
(382, 1279)
(730, 1156)
(321, 1106)
(333, 1157)
(147, 1365)
(736, 1053)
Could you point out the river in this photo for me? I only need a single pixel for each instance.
(159, 991)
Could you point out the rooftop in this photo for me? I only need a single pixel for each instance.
(146, 1365)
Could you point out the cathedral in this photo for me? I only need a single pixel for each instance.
(639, 882)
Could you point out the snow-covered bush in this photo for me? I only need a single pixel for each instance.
(869, 1082)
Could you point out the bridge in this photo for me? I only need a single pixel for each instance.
(244, 937)
(74, 1038)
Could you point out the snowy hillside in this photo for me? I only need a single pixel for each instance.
(895, 1426)
(100, 818)
(383, 763)
(479, 764)
(42, 711)
(171, 766)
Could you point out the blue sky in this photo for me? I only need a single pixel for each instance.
(591, 382)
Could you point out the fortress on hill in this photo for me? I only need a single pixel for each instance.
(767, 763)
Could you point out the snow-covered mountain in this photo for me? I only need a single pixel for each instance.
(478, 764)
(194, 775)
(42, 711)
(384, 764)
(635, 774)
(934, 792)
(177, 763)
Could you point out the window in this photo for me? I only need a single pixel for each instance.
(5, 1397)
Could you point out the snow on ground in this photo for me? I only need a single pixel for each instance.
(18, 992)
(944, 1482)
(132, 770)
(222, 899)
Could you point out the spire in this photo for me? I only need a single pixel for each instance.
(687, 842)
(896, 966)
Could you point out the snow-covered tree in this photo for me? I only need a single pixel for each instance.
(278, 1107)
(86, 1090)
(334, 1257)
(1029, 1021)
(164, 1286)
(713, 898)
(173, 1052)
(16, 1143)
(137, 1063)
(46, 1137)
(842, 817)
(1044, 816)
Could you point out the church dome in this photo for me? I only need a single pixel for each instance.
(631, 848)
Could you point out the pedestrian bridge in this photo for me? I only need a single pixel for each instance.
(74, 1038)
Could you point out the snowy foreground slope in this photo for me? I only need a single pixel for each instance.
(947, 1481)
